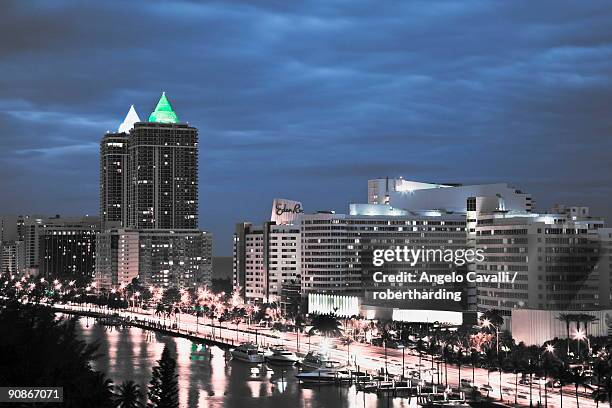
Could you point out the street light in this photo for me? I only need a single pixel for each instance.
(550, 348)
(401, 346)
(579, 336)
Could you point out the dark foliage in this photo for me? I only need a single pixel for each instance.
(163, 388)
(38, 349)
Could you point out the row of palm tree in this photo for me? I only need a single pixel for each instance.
(473, 346)
(578, 318)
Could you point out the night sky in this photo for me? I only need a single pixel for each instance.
(308, 100)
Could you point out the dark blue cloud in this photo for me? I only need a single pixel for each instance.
(308, 100)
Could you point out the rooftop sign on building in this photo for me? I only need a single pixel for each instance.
(285, 211)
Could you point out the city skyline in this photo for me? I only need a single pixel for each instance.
(439, 102)
(233, 203)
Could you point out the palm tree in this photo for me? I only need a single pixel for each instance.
(198, 314)
(579, 379)
(532, 367)
(420, 348)
(603, 393)
(601, 370)
(347, 341)
(160, 309)
(599, 394)
(102, 388)
(128, 395)
(385, 336)
(561, 376)
(587, 319)
(548, 366)
(446, 352)
(489, 358)
(500, 364)
(567, 319)
(299, 325)
(326, 325)
(515, 362)
(494, 318)
(474, 357)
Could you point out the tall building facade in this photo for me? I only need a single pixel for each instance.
(8, 228)
(113, 183)
(29, 229)
(149, 201)
(114, 180)
(175, 258)
(554, 256)
(117, 260)
(557, 262)
(270, 259)
(163, 176)
(337, 260)
(266, 258)
(12, 257)
(604, 266)
(67, 248)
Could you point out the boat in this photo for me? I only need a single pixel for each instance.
(111, 321)
(446, 399)
(282, 356)
(314, 361)
(323, 376)
(249, 353)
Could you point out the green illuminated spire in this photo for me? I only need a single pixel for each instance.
(163, 112)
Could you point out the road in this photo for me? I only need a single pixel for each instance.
(365, 356)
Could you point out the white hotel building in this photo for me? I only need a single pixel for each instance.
(337, 264)
(562, 259)
(267, 257)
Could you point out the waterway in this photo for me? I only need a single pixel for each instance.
(208, 377)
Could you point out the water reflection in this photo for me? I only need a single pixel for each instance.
(209, 378)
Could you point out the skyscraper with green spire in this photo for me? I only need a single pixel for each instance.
(158, 239)
(163, 112)
(163, 175)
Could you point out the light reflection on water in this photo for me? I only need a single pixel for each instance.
(209, 378)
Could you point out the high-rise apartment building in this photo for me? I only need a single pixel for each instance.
(604, 267)
(266, 261)
(113, 174)
(266, 258)
(175, 258)
(34, 231)
(149, 202)
(12, 257)
(562, 260)
(29, 229)
(8, 228)
(67, 248)
(554, 256)
(117, 258)
(156, 257)
(163, 175)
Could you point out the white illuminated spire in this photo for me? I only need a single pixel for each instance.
(128, 122)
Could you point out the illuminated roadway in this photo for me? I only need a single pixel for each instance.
(365, 356)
